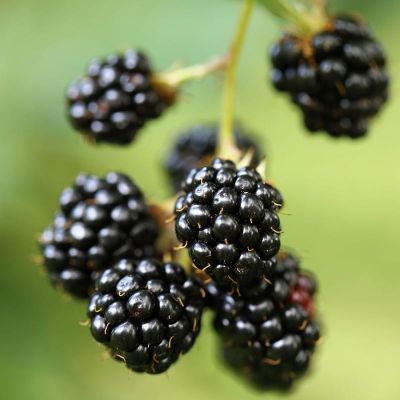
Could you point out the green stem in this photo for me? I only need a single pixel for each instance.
(177, 77)
(226, 142)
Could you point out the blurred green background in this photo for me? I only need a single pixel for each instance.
(343, 198)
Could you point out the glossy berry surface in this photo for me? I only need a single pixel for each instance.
(227, 217)
(115, 99)
(268, 337)
(147, 313)
(337, 77)
(196, 147)
(100, 220)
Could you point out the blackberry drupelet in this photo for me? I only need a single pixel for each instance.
(268, 337)
(196, 147)
(116, 98)
(100, 221)
(228, 219)
(147, 313)
(337, 76)
(213, 292)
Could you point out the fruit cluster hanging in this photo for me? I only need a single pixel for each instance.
(149, 271)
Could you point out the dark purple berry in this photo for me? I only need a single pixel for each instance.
(337, 77)
(147, 313)
(265, 338)
(101, 220)
(228, 219)
(194, 148)
(116, 98)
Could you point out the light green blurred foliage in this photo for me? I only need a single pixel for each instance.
(342, 196)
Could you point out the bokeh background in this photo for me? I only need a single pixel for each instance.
(343, 198)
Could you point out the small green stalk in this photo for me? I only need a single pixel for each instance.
(179, 76)
(169, 83)
(226, 142)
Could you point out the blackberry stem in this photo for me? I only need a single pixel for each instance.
(226, 142)
(169, 82)
(306, 15)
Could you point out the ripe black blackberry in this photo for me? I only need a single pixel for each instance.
(147, 313)
(195, 147)
(116, 98)
(228, 219)
(268, 337)
(337, 76)
(100, 221)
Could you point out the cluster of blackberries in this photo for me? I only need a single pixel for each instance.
(106, 244)
(337, 77)
(228, 219)
(116, 98)
(269, 334)
(197, 146)
(100, 221)
(102, 246)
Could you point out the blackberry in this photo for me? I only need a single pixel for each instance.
(116, 98)
(337, 76)
(228, 219)
(268, 337)
(100, 221)
(196, 146)
(147, 313)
